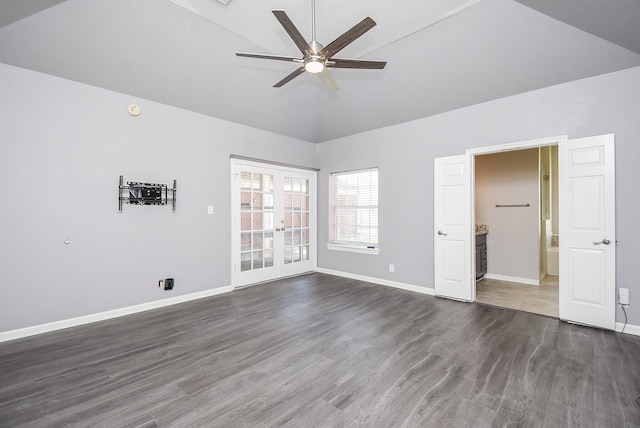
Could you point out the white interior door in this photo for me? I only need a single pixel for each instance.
(587, 231)
(274, 222)
(453, 264)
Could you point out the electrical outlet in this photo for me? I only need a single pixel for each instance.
(623, 296)
(392, 268)
(165, 284)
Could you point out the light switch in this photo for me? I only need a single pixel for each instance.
(209, 209)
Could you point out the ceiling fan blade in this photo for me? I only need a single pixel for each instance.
(328, 80)
(290, 77)
(262, 56)
(341, 42)
(356, 63)
(293, 32)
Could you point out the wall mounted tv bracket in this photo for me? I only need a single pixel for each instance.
(135, 193)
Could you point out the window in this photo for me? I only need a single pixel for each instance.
(353, 206)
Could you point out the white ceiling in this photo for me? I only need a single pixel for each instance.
(255, 21)
(162, 51)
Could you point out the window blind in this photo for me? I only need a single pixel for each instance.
(354, 207)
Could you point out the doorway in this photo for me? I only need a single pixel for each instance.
(587, 250)
(516, 224)
(273, 222)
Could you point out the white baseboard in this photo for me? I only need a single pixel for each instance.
(629, 328)
(519, 280)
(101, 316)
(388, 283)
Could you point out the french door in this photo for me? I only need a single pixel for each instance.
(274, 222)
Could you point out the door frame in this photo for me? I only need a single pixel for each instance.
(472, 153)
(235, 201)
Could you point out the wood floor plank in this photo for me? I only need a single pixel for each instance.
(322, 351)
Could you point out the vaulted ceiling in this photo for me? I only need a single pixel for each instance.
(441, 54)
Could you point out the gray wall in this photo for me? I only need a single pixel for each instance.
(513, 242)
(404, 154)
(63, 147)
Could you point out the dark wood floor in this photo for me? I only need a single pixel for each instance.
(322, 351)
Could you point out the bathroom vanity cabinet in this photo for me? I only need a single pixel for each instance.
(481, 255)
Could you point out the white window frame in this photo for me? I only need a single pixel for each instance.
(354, 247)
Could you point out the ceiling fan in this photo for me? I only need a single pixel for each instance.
(317, 59)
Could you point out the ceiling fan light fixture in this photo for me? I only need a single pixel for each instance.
(314, 65)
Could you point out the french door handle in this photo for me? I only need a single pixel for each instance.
(605, 241)
(441, 233)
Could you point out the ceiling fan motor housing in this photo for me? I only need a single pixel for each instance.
(315, 57)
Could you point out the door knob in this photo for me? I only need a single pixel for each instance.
(605, 241)
(441, 233)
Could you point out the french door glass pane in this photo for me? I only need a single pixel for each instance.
(268, 258)
(245, 241)
(245, 261)
(257, 240)
(257, 182)
(245, 201)
(296, 219)
(268, 220)
(256, 220)
(245, 180)
(268, 240)
(257, 260)
(268, 200)
(245, 221)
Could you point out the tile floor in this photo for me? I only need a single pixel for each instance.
(541, 299)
